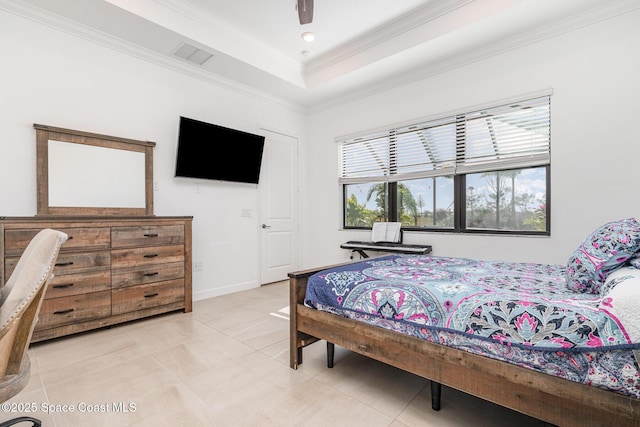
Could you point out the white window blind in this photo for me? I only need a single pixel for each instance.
(505, 137)
(425, 150)
(502, 137)
(366, 159)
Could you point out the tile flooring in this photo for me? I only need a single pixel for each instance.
(227, 364)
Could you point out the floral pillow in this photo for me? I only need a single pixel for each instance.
(634, 261)
(602, 252)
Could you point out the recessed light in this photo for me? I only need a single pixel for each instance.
(308, 37)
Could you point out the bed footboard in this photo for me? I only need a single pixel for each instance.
(555, 400)
(297, 339)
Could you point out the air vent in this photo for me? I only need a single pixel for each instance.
(192, 53)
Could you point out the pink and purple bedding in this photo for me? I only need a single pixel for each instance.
(520, 313)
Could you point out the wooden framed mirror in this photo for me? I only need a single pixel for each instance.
(83, 173)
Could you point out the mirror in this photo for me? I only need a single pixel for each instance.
(81, 173)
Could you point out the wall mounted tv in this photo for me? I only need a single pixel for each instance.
(210, 151)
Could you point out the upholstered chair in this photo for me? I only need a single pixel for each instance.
(20, 301)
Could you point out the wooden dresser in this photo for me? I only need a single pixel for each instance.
(111, 270)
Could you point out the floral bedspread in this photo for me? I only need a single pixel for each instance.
(522, 313)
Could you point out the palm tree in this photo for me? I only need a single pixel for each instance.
(406, 201)
(380, 191)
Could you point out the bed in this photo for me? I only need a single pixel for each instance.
(556, 342)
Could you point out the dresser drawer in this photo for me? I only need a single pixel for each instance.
(71, 262)
(80, 283)
(16, 241)
(147, 296)
(75, 308)
(124, 277)
(145, 256)
(148, 235)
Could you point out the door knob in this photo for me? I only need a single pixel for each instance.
(266, 226)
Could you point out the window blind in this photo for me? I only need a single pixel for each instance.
(365, 159)
(503, 137)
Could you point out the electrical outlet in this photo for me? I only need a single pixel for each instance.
(197, 266)
(156, 186)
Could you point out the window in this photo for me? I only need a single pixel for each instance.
(483, 170)
(375, 207)
(426, 202)
(512, 200)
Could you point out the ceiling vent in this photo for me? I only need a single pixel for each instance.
(192, 53)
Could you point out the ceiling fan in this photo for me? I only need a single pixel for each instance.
(305, 11)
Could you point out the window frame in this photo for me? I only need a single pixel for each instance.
(459, 215)
(459, 185)
(463, 212)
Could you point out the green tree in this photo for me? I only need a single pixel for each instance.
(473, 202)
(512, 174)
(537, 220)
(380, 192)
(494, 197)
(420, 205)
(407, 206)
(357, 215)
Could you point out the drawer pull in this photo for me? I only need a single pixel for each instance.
(63, 311)
(155, 273)
(69, 237)
(151, 235)
(150, 255)
(66, 285)
(64, 264)
(152, 295)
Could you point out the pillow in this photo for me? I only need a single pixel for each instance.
(634, 261)
(603, 251)
(621, 298)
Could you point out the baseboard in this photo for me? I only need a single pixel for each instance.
(237, 287)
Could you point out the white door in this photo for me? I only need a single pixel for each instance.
(278, 207)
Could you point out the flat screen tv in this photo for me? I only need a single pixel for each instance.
(215, 152)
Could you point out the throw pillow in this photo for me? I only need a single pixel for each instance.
(603, 251)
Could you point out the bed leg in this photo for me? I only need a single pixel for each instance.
(330, 352)
(436, 389)
(299, 355)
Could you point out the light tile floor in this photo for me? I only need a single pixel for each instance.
(227, 364)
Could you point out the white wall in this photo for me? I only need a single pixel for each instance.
(54, 78)
(593, 72)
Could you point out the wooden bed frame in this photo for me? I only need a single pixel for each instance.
(555, 400)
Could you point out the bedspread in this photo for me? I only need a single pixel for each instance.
(521, 313)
